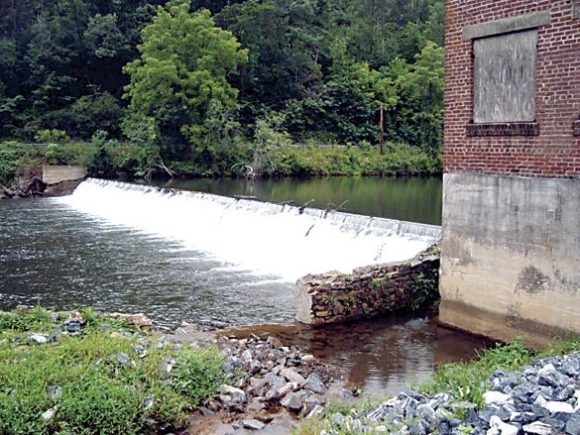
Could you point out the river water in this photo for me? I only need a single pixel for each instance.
(408, 199)
(117, 247)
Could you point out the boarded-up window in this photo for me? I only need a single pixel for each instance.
(504, 85)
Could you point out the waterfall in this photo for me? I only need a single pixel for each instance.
(276, 240)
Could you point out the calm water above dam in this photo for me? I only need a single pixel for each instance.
(408, 199)
(137, 249)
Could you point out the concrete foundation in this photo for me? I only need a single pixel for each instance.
(510, 253)
(52, 174)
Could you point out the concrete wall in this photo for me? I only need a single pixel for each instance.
(510, 255)
(52, 174)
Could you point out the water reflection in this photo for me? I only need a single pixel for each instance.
(409, 199)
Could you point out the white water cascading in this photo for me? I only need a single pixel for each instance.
(262, 238)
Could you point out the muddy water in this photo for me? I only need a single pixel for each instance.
(381, 357)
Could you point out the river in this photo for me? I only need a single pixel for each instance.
(65, 253)
(412, 199)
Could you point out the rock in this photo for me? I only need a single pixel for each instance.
(494, 410)
(138, 320)
(307, 359)
(166, 367)
(148, 402)
(344, 394)
(246, 356)
(563, 394)
(309, 403)
(522, 417)
(427, 413)
(501, 427)
(253, 424)
(549, 376)
(573, 424)
(283, 390)
(206, 412)
(540, 406)
(293, 401)
(274, 342)
(538, 428)
(41, 338)
(496, 397)
(555, 407)
(292, 376)
(121, 358)
(556, 425)
(418, 427)
(237, 396)
(49, 413)
(316, 412)
(314, 384)
(54, 392)
(444, 427)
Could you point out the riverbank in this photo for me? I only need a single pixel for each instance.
(508, 391)
(127, 161)
(196, 380)
(109, 374)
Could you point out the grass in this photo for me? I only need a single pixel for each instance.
(106, 380)
(467, 381)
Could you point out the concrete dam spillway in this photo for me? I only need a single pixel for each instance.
(280, 241)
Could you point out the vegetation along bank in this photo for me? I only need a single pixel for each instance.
(232, 84)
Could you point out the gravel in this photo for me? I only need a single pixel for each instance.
(541, 399)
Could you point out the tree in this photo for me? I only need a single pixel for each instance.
(417, 119)
(284, 39)
(180, 79)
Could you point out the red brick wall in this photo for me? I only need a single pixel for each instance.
(555, 152)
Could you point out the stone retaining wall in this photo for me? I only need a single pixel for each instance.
(368, 292)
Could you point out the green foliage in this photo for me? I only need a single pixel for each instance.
(100, 165)
(269, 137)
(9, 158)
(51, 136)
(199, 373)
(466, 381)
(199, 91)
(103, 36)
(90, 113)
(24, 320)
(103, 384)
(425, 291)
(180, 79)
(310, 161)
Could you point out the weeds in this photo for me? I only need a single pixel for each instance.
(467, 381)
(377, 284)
(425, 291)
(104, 381)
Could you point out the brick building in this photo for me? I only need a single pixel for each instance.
(510, 261)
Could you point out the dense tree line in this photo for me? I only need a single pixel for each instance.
(195, 79)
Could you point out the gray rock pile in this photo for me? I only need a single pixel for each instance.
(264, 374)
(542, 399)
